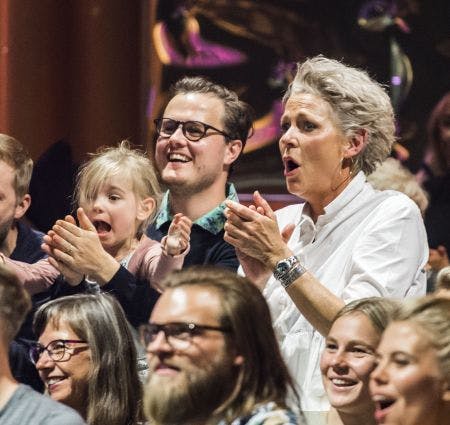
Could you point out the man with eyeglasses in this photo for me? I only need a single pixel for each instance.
(19, 404)
(212, 354)
(201, 133)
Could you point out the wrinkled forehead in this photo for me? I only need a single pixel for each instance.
(309, 103)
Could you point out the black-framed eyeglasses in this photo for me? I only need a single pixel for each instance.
(58, 350)
(192, 130)
(178, 335)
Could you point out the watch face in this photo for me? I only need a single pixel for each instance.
(283, 267)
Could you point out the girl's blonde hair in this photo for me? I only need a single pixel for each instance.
(123, 161)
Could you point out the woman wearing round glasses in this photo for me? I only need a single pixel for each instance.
(86, 357)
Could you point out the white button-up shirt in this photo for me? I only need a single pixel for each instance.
(367, 243)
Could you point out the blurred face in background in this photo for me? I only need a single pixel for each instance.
(407, 384)
(444, 132)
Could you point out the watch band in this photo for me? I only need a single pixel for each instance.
(288, 270)
(292, 276)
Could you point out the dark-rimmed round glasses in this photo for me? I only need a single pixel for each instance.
(58, 350)
(192, 130)
(178, 335)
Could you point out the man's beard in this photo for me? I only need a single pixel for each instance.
(4, 230)
(193, 395)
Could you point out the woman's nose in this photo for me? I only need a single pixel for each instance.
(287, 140)
(44, 361)
(339, 360)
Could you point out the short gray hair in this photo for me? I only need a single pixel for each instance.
(358, 101)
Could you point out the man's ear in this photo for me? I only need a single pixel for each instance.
(146, 207)
(356, 143)
(22, 206)
(233, 149)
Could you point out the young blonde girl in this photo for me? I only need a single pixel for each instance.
(118, 195)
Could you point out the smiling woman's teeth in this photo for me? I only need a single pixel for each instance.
(52, 381)
(342, 382)
(178, 157)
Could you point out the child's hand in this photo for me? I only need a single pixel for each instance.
(80, 249)
(177, 239)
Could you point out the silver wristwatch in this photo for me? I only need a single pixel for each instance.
(288, 270)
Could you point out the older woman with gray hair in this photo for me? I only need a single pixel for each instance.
(346, 240)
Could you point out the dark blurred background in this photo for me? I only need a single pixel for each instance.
(79, 74)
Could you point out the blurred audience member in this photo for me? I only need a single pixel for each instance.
(391, 174)
(19, 241)
(349, 358)
(443, 282)
(87, 359)
(437, 154)
(19, 404)
(213, 355)
(411, 384)
(435, 176)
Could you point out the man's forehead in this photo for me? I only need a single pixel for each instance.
(7, 172)
(188, 304)
(195, 107)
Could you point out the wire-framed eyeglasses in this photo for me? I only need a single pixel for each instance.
(192, 130)
(178, 335)
(59, 350)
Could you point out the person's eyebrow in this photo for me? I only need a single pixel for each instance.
(114, 188)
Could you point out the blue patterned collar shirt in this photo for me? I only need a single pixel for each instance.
(212, 221)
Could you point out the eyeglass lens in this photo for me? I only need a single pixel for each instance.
(55, 349)
(192, 130)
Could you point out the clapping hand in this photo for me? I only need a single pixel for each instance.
(178, 235)
(77, 249)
